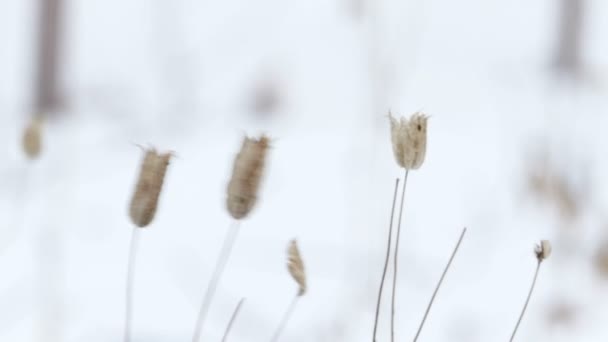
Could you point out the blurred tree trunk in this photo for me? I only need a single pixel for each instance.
(570, 34)
(46, 96)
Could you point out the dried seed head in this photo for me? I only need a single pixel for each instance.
(542, 250)
(601, 259)
(32, 138)
(296, 266)
(149, 185)
(409, 140)
(247, 172)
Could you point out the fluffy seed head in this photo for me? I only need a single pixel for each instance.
(247, 173)
(295, 265)
(149, 185)
(32, 138)
(408, 138)
(542, 250)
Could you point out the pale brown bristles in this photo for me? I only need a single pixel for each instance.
(148, 188)
(408, 138)
(32, 138)
(242, 191)
(542, 252)
(295, 265)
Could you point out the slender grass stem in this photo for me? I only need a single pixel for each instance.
(523, 311)
(396, 256)
(386, 260)
(215, 278)
(130, 279)
(232, 319)
(285, 318)
(445, 271)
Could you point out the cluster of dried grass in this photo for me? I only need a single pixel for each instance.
(409, 140)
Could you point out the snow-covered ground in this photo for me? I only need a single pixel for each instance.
(179, 75)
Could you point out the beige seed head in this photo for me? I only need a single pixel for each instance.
(408, 138)
(295, 265)
(247, 172)
(542, 250)
(32, 138)
(150, 183)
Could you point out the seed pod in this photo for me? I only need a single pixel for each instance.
(542, 250)
(247, 172)
(295, 265)
(32, 138)
(408, 138)
(149, 185)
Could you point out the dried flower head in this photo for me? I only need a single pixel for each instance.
(247, 172)
(409, 140)
(32, 138)
(149, 185)
(296, 266)
(542, 250)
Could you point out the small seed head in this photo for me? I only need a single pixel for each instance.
(542, 250)
(295, 265)
(408, 138)
(148, 188)
(32, 138)
(242, 190)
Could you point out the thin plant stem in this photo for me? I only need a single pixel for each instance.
(285, 318)
(396, 257)
(445, 271)
(130, 278)
(523, 311)
(232, 319)
(215, 278)
(386, 260)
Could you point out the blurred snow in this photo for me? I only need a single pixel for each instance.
(180, 76)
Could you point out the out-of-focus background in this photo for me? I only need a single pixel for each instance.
(518, 97)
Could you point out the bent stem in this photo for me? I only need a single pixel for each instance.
(396, 257)
(285, 318)
(130, 278)
(445, 271)
(232, 319)
(215, 278)
(386, 260)
(523, 311)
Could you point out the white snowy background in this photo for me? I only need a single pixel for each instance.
(183, 76)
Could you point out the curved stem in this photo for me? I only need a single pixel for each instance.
(130, 278)
(386, 260)
(445, 271)
(285, 319)
(232, 319)
(523, 311)
(396, 257)
(215, 278)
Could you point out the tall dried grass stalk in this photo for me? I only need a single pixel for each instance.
(542, 252)
(408, 138)
(225, 252)
(396, 257)
(130, 282)
(295, 265)
(241, 197)
(232, 319)
(386, 260)
(142, 210)
(445, 271)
